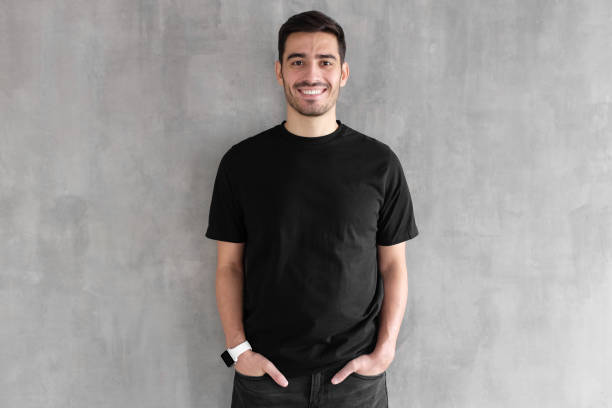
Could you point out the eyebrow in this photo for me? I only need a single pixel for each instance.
(301, 55)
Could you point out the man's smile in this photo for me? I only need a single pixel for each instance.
(312, 92)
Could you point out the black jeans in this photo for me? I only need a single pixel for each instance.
(311, 391)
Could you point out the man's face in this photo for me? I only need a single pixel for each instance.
(311, 74)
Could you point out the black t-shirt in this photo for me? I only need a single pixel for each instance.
(311, 211)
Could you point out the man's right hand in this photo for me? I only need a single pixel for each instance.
(256, 365)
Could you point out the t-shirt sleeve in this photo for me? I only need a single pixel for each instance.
(396, 216)
(225, 218)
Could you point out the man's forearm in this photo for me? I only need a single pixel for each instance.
(229, 283)
(395, 282)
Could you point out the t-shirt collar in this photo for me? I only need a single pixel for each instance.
(310, 140)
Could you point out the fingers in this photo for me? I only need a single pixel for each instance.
(343, 373)
(276, 375)
(347, 370)
(340, 376)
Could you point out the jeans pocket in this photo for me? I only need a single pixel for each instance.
(250, 377)
(369, 377)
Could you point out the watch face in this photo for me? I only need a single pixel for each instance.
(227, 358)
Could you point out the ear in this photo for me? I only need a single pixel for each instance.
(345, 73)
(278, 72)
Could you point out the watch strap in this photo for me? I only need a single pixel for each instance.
(230, 356)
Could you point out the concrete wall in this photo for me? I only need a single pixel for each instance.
(114, 115)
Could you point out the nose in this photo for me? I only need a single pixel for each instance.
(313, 75)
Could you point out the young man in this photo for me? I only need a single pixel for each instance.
(311, 218)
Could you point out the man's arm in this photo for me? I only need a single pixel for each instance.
(392, 266)
(229, 284)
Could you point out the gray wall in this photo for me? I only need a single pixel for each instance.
(114, 115)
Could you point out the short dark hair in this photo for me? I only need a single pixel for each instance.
(310, 22)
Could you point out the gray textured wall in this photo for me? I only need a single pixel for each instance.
(114, 115)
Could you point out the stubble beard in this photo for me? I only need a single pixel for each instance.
(310, 109)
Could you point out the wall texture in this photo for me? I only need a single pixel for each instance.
(114, 115)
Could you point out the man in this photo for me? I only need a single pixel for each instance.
(311, 219)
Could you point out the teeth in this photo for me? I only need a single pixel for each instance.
(313, 92)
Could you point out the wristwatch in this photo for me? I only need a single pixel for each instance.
(230, 356)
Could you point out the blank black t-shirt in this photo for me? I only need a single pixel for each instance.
(311, 211)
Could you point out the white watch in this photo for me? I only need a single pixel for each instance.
(230, 356)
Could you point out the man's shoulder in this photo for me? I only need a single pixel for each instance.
(248, 146)
(374, 141)
(373, 144)
(254, 140)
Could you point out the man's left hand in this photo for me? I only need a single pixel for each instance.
(366, 364)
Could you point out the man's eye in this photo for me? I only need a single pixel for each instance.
(300, 62)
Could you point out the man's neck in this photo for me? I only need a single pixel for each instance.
(311, 126)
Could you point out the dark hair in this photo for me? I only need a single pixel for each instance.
(310, 22)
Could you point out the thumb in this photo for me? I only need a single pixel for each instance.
(276, 375)
(342, 374)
